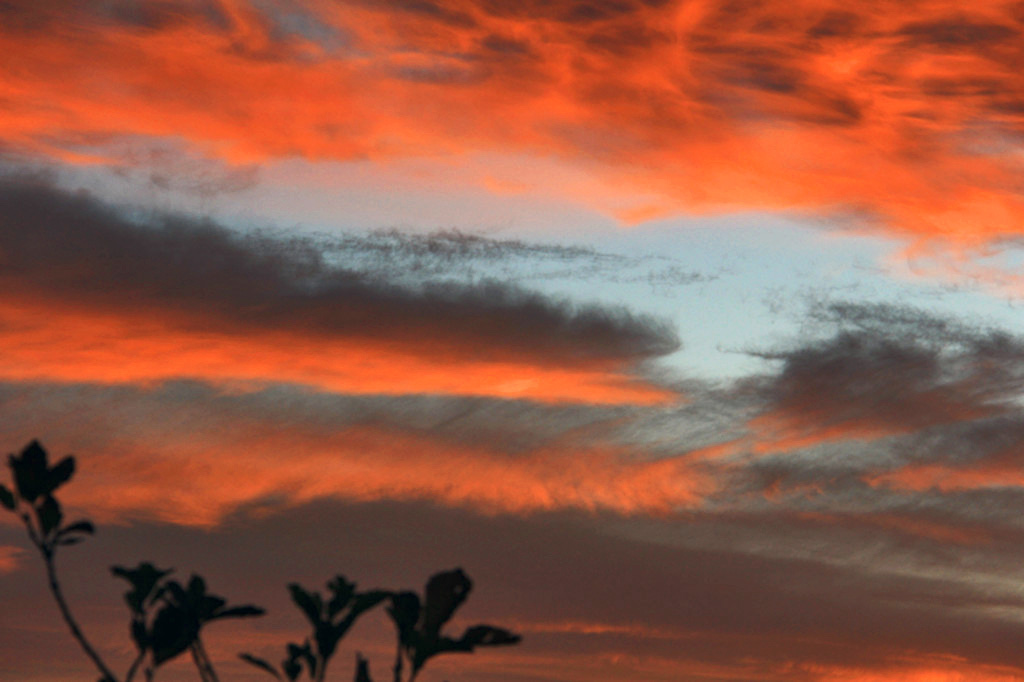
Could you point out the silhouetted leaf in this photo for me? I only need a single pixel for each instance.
(341, 593)
(311, 604)
(175, 593)
(364, 601)
(444, 594)
(260, 663)
(173, 632)
(7, 498)
(419, 627)
(433, 647)
(49, 514)
(207, 606)
(69, 541)
(60, 474)
(405, 612)
(303, 653)
(487, 635)
(326, 639)
(478, 635)
(30, 471)
(79, 527)
(197, 589)
(143, 580)
(239, 612)
(362, 669)
(139, 634)
(292, 669)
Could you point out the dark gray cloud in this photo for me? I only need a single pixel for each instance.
(69, 15)
(76, 250)
(958, 32)
(869, 413)
(828, 570)
(454, 255)
(573, 12)
(894, 368)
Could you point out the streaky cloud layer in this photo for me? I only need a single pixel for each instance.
(697, 607)
(750, 535)
(905, 113)
(276, 455)
(277, 407)
(96, 294)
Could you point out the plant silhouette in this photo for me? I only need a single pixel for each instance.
(167, 617)
(419, 623)
(33, 500)
(330, 619)
(182, 612)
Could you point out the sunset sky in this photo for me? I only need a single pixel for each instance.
(693, 330)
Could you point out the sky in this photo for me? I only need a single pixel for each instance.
(690, 329)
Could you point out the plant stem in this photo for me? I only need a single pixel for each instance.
(134, 667)
(398, 663)
(321, 668)
(199, 663)
(202, 662)
(76, 632)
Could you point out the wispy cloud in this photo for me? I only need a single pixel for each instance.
(10, 558)
(815, 559)
(265, 307)
(905, 115)
(294, 446)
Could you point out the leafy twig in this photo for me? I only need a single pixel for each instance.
(419, 624)
(35, 482)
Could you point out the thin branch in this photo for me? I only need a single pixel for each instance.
(206, 660)
(76, 632)
(36, 540)
(134, 666)
(202, 661)
(199, 663)
(398, 663)
(321, 667)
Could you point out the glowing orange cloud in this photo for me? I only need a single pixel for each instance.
(946, 478)
(10, 558)
(906, 112)
(941, 669)
(93, 296)
(182, 479)
(47, 343)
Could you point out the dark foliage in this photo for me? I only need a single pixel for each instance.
(167, 617)
(419, 623)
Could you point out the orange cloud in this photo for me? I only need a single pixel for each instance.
(183, 479)
(948, 478)
(940, 669)
(10, 558)
(907, 112)
(93, 296)
(46, 343)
